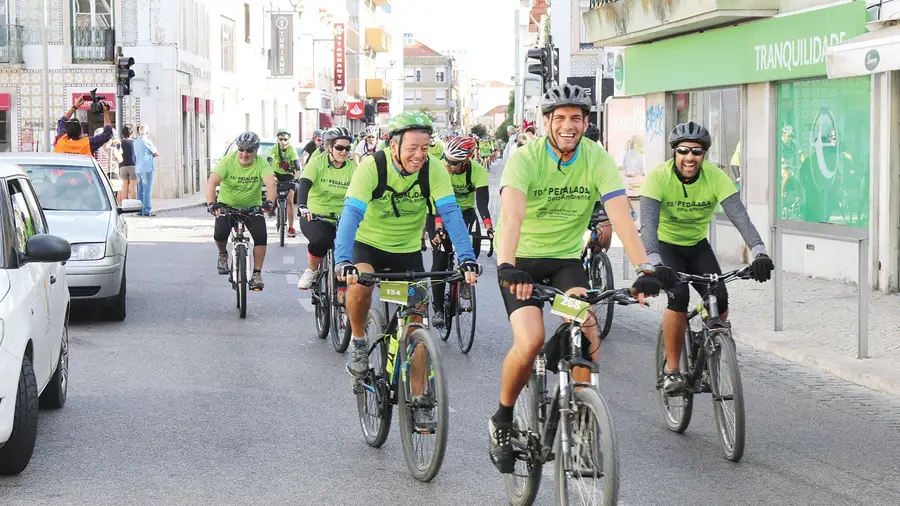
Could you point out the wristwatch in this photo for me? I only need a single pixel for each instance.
(644, 269)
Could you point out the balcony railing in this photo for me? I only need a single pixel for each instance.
(93, 45)
(11, 39)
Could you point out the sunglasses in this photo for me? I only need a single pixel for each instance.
(343, 148)
(283, 139)
(683, 150)
(454, 163)
(246, 150)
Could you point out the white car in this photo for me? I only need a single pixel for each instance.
(80, 206)
(34, 316)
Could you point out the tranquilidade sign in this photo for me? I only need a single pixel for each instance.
(777, 49)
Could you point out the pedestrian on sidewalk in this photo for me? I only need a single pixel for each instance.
(109, 156)
(144, 154)
(126, 170)
(69, 138)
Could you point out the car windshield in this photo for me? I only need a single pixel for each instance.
(68, 187)
(263, 150)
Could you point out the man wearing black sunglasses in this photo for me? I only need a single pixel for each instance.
(678, 200)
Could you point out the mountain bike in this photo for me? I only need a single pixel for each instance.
(405, 369)
(707, 341)
(598, 268)
(239, 269)
(576, 412)
(281, 208)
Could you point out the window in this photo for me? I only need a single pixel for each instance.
(440, 96)
(440, 75)
(227, 44)
(410, 75)
(247, 23)
(68, 187)
(440, 117)
(720, 112)
(418, 74)
(408, 39)
(4, 127)
(409, 97)
(92, 13)
(27, 220)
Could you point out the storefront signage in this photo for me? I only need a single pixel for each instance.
(355, 110)
(283, 44)
(626, 121)
(872, 60)
(777, 49)
(384, 107)
(339, 56)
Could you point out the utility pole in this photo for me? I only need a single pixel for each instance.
(45, 83)
(519, 99)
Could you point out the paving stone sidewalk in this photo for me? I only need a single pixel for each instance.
(167, 205)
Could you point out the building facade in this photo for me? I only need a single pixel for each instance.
(431, 84)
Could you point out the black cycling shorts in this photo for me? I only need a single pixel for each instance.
(284, 178)
(698, 259)
(320, 235)
(383, 261)
(563, 274)
(256, 226)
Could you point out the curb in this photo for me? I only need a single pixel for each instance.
(179, 207)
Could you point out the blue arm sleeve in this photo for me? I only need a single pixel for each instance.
(455, 225)
(351, 217)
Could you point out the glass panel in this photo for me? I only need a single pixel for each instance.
(823, 150)
(68, 187)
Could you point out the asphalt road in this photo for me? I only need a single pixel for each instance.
(185, 403)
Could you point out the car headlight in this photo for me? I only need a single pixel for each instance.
(88, 251)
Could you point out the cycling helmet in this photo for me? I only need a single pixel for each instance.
(592, 132)
(788, 129)
(690, 132)
(410, 120)
(338, 132)
(371, 131)
(317, 133)
(565, 95)
(283, 131)
(459, 148)
(247, 141)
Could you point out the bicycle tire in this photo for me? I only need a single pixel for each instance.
(448, 313)
(527, 419)
(377, 378)
(734, 449)
(340, 337)
(241, 276)
(322, 303)
(602, 279)
(676, 421)
(424, 473)
(282, 221)
(465, 337)
(590, 397)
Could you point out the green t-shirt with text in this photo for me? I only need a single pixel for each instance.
(241, 187)
(465, 196)
(559, 202)
(289, 156)
(329, 185)
(380, 227)
(686, 209)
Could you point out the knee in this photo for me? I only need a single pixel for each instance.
(679, 299)
(359, 295)
(528, 348)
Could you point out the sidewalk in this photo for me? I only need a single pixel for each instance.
(188, 201)
(820, 325)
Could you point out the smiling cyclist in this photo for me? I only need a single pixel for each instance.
(383, 217)
(678, 200)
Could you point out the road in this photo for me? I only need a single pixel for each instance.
(184, 403)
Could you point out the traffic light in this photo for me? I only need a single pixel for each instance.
(554, 65)
(541, 67)
(124, 74)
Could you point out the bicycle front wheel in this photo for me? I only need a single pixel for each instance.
(282, 220)
(424, 408)
(676, 409)
(465, 316)
(240, 265)
(322, 302)
(373, 400)
(449, 301)
(523, 484)
(602, 279)
(593, 473)
(728, 396)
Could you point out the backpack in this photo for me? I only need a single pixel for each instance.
(423, 182)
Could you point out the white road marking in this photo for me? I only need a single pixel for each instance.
(291, 279)
(306, 304)
(289, 259)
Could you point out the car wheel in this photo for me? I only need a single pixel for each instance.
(54, 396)
(116, 310)
(16, 453)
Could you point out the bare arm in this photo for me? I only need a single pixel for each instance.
(619, 211)
(512, 213)
(271, 187)
(107, 117)
(212, 182)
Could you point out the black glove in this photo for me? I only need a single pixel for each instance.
(345, 269)
(508, 274)
(665, 275)
(213, 207)
(470, 266)
(424, 247)
(268, 205)
(762, 268)
(648, 284)
(490, 233)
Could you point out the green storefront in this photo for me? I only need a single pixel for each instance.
(820, 129)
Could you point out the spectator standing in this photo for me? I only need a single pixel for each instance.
(126, 168)
(144, 154)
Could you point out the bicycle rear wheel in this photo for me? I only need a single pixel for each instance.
(465, 317)
(373, 402)
(449, 301)
(676, 410)
(602, 279)
(424, 417)
(340, 320)
(728, 396)
(322, 302)
(282, 220)
(241, 277)
(594, 456)
(523, 484)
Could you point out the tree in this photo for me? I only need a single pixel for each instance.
(428, 112)
(510, 115)
(479, 130)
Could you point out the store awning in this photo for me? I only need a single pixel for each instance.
(325, 120)
(869, 53)
(5, 101)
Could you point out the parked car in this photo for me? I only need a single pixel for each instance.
(34, 316)
(79, 204)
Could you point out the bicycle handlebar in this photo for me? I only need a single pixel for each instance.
(623, 296)
(250, 211)
(332, 216)
(714, 279)
(371, 278)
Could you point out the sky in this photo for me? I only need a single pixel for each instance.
(482, 28)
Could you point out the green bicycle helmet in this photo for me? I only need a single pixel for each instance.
(283, 131)
(409, 121)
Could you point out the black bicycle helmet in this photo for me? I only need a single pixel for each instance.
(690, 132)
(247, 141)
(338, 132)
(565, 95)
(592, 132)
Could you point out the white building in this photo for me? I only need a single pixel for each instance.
(488, 94)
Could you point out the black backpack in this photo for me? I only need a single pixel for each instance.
(423, 182)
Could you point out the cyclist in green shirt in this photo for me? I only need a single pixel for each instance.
(436, 148)
(284, 160)
(240, 177)
(382, 220)
(323, 186)
(678, 200)
(547, 193)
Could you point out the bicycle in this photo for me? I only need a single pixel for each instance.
(540, 417)
(281, 205)
(390, 379)
(705, 340)
(598, 268)
(330, 313)
(239, 269)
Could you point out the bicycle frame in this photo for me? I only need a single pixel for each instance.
(240, 241)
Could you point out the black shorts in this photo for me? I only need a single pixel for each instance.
(383, 261)
(284, 178)
(563, 274)
(698, 259)
(256, 225)
(320, 234)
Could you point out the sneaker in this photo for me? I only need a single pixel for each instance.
(222, 265)
(423, 414)
(307, 279)
(256, 282)
(501, 450)
(673, 383)
(292, 233)
(465, 291)
(358, 358)
(437, 320)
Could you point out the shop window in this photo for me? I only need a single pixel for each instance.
(822, 141)
(720, 112)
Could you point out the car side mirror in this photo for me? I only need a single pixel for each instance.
(47, 248)
(131, 206)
